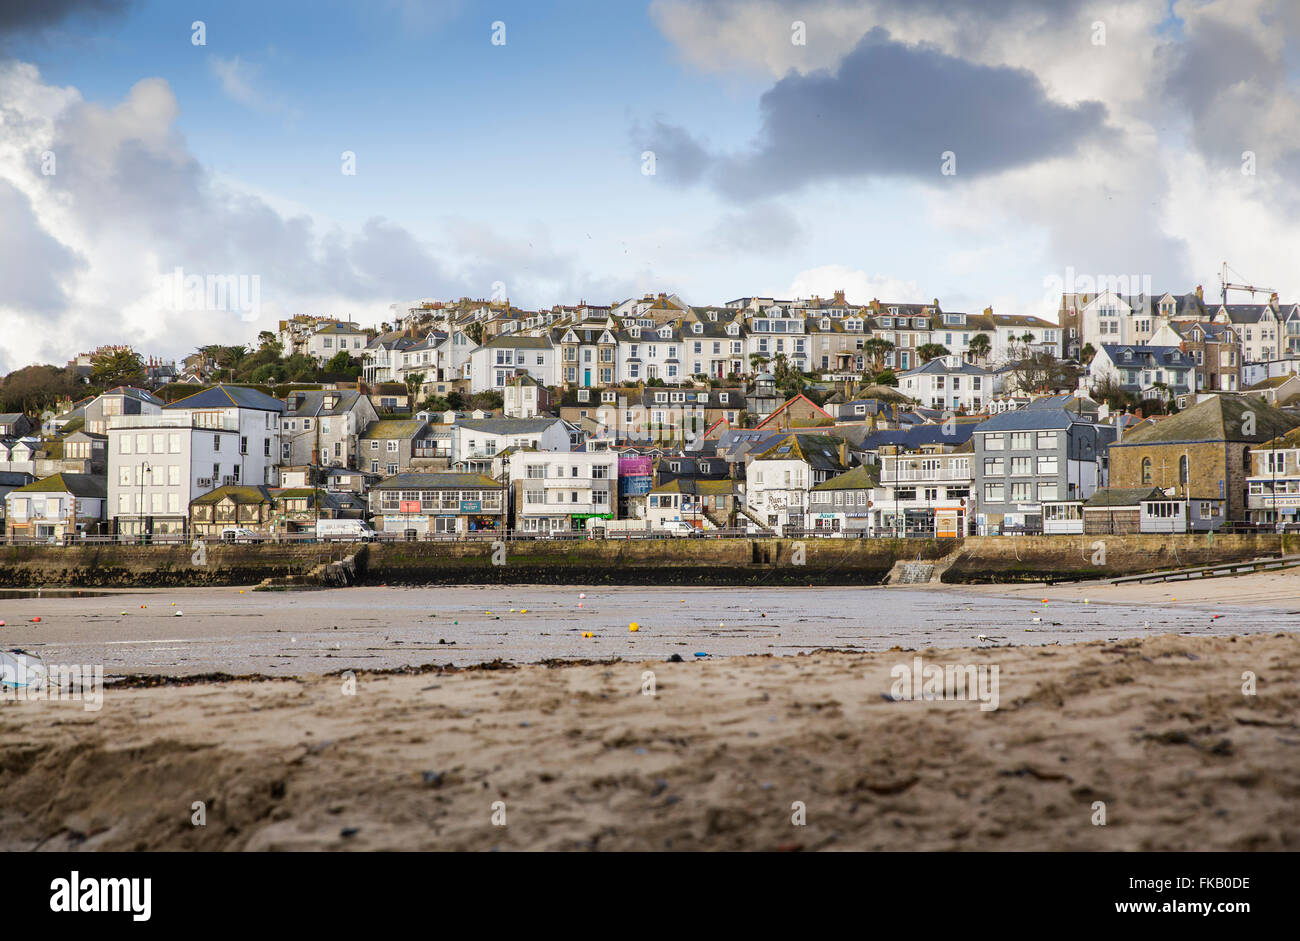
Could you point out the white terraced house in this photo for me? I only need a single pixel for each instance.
(559, 492)
(157, 464)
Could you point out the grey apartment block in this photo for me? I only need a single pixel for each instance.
(1036, 453)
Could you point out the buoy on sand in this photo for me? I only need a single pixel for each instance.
(634, 627)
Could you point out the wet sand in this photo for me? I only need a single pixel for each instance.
(303, 633)
(1158, 729)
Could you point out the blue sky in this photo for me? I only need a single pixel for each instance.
(782, 168)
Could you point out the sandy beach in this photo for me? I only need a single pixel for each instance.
(1159, 730)
(228, 630)
(1129, 696)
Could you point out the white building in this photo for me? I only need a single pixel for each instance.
(330, 337)
(157, 464)
(778, 480)
(497, 360)
(560, 491)
(481, 439)
(948, 384)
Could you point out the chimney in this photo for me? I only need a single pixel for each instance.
(988, 311)
(1200, 295)
(839, 296)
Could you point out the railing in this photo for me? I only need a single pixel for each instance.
(922, 476)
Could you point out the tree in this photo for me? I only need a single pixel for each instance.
(490, 401)
(885, 377)
(35, 388)
(756, 362)
(475, 332)
(980, 346)
(876, 350)
(1038, 371)
(929, 351)
(342, 364)
(1108, 389)
(117, 367)
(413, 383)
(300, 368)
(1087, 353)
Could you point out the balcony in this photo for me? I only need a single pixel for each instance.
(917, 475)
(209, 422)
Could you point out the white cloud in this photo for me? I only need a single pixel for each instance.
(129, 203)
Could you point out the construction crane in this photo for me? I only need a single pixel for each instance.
(1225, 285)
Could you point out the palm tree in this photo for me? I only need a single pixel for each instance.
(980, 347)
(877, 349)
(757, 361)
(929, 351)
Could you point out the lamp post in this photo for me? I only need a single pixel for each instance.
(145, 466)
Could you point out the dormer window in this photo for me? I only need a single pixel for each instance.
(607, 397)
(697, 327)
(584, 395)
(826, 323)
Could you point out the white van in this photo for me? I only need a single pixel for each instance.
(346, 530)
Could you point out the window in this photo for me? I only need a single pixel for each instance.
(1020, 441)
(1146, 470)
(994, 493)
(1182, 469)
(125, 446)
(1046, 440)
(994, 442)
(216, 442)
(994, 467)
(1047, 465)
(1021, 492)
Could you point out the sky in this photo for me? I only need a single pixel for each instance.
(174, 174)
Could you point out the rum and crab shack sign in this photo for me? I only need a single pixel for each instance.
(76, 894)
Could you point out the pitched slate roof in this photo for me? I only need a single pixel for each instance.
(1219, 418)
(1122, 496)
(79, 485)
(821, 452)
(240, 494)
(1029, 419)
(437, 482)
(507, 426)
(224, 396)
(862, 477)
(912, 438)
(393, 428)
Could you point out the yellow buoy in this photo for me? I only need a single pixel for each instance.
(634, 626)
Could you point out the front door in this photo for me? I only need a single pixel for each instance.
(586, 377)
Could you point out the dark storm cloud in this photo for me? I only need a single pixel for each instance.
(892, 110)
(27, 16)
(34, 266)
(1225, 81)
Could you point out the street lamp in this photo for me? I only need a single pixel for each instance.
(145, 466)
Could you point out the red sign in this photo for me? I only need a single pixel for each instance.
(409, 506)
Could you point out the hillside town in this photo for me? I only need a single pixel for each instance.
(650, 417)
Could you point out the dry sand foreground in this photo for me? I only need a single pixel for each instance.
(1158, 729)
